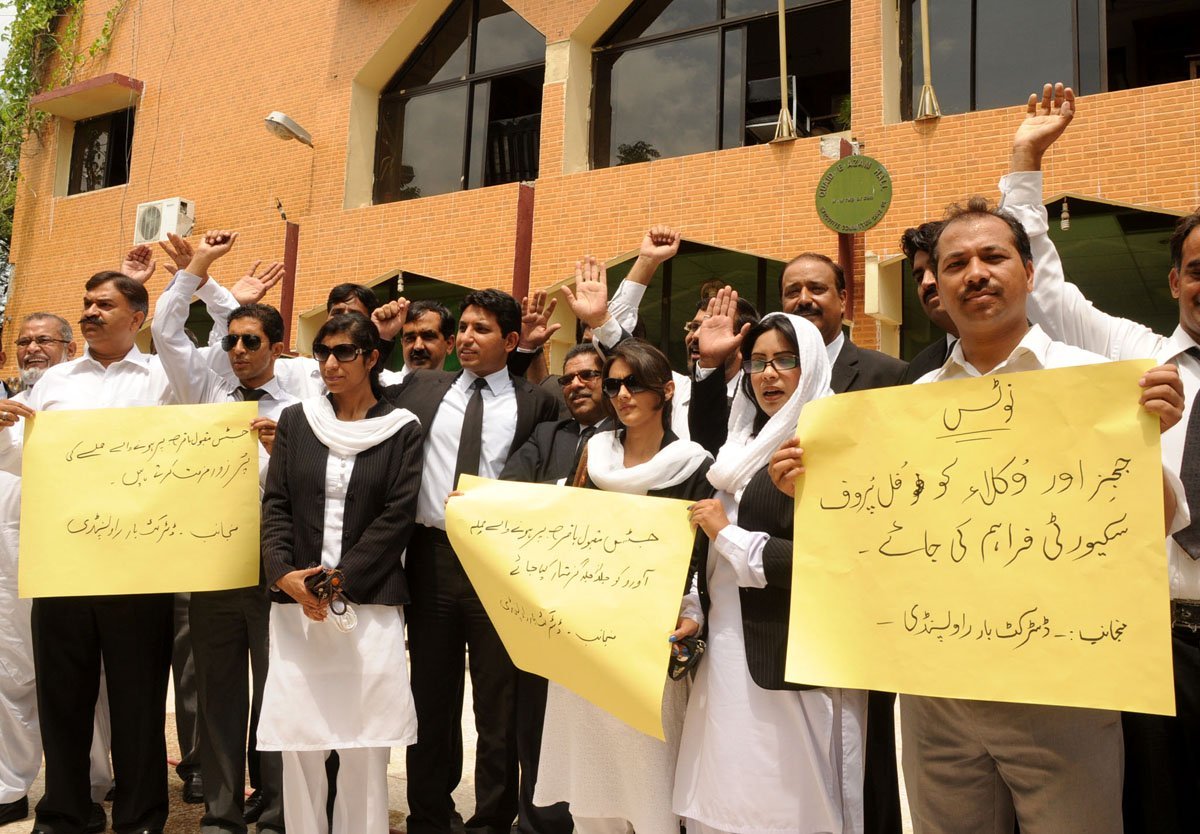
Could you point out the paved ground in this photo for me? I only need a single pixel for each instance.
(185, 819)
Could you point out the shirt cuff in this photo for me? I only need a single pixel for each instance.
(623, 306)
(743, 550)
(607, 335)
(699, 373)
(691, 607)
(188, 283)
(1021, 188)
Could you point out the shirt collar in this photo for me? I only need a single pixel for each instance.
(498, 382)
(275, 390)
(834, 348)
(1034, 343)
(1180, 342)
(135, 357)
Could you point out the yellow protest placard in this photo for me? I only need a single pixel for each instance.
(583, 586)
(139, 501)
(998, 538)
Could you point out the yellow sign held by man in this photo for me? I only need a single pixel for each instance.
(997, 539)
(139, 500)
(583, 586)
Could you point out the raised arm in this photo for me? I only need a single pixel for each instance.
(1059, 307)
(659, 245)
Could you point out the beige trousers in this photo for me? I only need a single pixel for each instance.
(970, 766)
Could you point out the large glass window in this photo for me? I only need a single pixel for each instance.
(994, 53)
(466, 110)
(676, 77)
(100, 152)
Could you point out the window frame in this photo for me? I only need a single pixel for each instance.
(126, 116)
(471, 80)
(721, 26)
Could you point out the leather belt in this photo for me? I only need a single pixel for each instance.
(1185, 614)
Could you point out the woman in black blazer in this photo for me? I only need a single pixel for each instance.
(755, 755)
(340, 503)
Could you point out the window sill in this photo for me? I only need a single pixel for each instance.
(90, 193)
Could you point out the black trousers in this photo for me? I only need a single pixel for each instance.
(183, 673)
(881, 783)
(531, 715)
(229, 637)
(133, 636)
(444, 617)
(1162, 753)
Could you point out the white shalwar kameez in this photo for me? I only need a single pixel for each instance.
(333, 690)
(762, 761)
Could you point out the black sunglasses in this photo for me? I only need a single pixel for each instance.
(613, 385)
(251, 341)
(586, 376)
(783, 362)
(342, 352)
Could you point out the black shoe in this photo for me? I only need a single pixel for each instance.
(253, 808)
(193, 789)
(14, 811)
(97, 821)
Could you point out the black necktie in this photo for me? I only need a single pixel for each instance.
(1189, 473)
(585, 434)
(251, 394)
(470, 442)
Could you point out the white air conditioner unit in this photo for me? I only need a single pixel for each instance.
(156, 219)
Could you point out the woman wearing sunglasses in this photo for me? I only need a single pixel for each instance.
(615, 778)
(339, 505)
(757, 754)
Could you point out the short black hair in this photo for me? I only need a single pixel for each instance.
(582, 348)
(362, 334)
(839, 275)
(266, 315)
(978, 206)
(134, 292)
(1183, 228)
(345, 292)
(500, 304)
(747, 313)
(420, 308)
(920, 239)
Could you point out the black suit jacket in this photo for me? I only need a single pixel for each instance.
(550, 454)
(766, 611)
(381, 505)
(422, 393)
(929, 359)
(860, 369)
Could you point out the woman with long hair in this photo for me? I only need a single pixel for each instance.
(758, 754)
(339, 505)
(615, 778)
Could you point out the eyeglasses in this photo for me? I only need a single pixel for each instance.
(613, 385)
(42, 341)
(251, 341)
(586, 376)
(783, 362)
(342, 352)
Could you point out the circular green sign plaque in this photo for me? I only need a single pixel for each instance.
(854, 194)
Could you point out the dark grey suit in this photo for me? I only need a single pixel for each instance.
(929, 359)
(860, 369)
(444, 615)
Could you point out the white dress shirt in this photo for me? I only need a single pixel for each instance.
(441, 440)
(834, 348)
(1061, 309)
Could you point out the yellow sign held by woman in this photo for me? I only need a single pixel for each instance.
(149, 500)
(583, 586)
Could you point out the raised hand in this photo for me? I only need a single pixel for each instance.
(589, 301)
(213, 245)
(251, 288)
(178, 250)
(389, 318)
(1046, 119)
(139, 263)
(660, 244)
(717, 339)
(535, 320)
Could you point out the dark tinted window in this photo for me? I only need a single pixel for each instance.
(100, 152)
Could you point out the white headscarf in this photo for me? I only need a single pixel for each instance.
(349, 437)
(671, 465)
(744, 453)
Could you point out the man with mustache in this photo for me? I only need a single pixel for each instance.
(427, 336)
(551, 456)
(917, 243)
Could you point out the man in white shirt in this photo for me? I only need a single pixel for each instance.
(971, 765)
(1162, 772)
(131, 634)
(228, 628)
